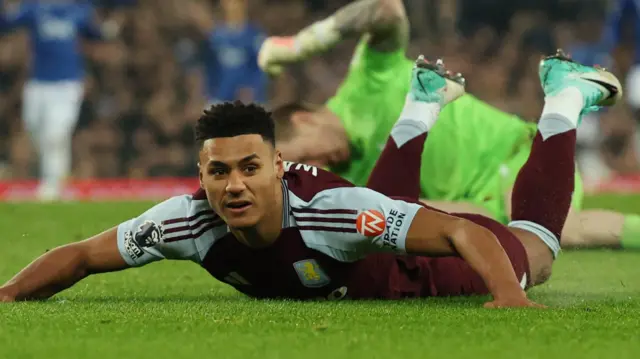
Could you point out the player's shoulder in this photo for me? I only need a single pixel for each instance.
(307, 181)
(181, 227)
(182, 217)
(199, 216)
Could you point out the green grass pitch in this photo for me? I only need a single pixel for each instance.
(175, 310)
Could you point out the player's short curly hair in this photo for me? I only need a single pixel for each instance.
(234, 119)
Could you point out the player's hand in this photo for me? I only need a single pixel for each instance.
(273, 48)
(6, 298)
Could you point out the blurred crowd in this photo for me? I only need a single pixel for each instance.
(145, 90)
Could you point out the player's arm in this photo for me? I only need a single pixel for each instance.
(434, 233)
(133, 243)
(385, 21)
(391, 225)
(64, 266)
(458, 207)
(108, 30)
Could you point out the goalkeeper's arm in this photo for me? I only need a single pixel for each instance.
(385, 21)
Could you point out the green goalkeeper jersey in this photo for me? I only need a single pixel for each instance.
(468, 152)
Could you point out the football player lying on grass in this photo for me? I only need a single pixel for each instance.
(273, 229)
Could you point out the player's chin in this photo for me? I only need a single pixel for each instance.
(246, 219)
(242, 224)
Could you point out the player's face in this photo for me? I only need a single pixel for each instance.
(241, 176)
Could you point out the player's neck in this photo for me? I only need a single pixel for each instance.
(265, 233)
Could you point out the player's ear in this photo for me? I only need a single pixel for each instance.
(299, 118)
(278, 164)
(200, 175)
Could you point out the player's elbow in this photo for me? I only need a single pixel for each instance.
(77, 259)
(390, 13)
(455, 233)
(465, 233)
(434, 233)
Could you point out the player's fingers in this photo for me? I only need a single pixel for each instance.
(6, 299)
(525, 304)
(490, 305)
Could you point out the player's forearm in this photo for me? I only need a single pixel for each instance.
(384, 20)
(51, 273)
(480, 248)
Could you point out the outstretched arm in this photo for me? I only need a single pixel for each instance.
(133, 243)
(434, 233)
(385, 22)
(64, 266)
(386, 224)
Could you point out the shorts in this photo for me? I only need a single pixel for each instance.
(51, 109)
(452, 276)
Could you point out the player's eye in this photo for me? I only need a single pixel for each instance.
(217, 171)
(250, 169)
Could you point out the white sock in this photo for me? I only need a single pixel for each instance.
(416, 119)
(561, 112)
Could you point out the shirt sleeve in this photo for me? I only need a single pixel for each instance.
(179, 228)
(349, 223)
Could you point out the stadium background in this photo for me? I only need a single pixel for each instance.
(134, 139)
(144, 91)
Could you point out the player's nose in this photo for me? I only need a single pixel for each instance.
(235, 183)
